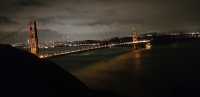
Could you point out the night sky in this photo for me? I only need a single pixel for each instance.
(95, 19)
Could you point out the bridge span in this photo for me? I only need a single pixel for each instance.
(146, 43)
(34, 47)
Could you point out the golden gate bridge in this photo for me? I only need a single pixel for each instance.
(34, 48)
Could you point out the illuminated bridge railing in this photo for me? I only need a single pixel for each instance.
(91, 48)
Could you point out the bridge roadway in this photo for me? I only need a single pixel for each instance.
(92, 48)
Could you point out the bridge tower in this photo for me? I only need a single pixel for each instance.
(33, 38)
(135, 37)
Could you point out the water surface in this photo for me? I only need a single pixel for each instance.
(164, 71)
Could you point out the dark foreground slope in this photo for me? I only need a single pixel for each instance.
(25, 75)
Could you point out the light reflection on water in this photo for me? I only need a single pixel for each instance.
(121, 74)
(137, 58)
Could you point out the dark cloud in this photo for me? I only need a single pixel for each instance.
(6, 20)
(100, 19)
(28, 3)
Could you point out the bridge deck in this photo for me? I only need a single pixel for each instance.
(92, 48)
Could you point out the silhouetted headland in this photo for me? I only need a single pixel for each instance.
(25, 75)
